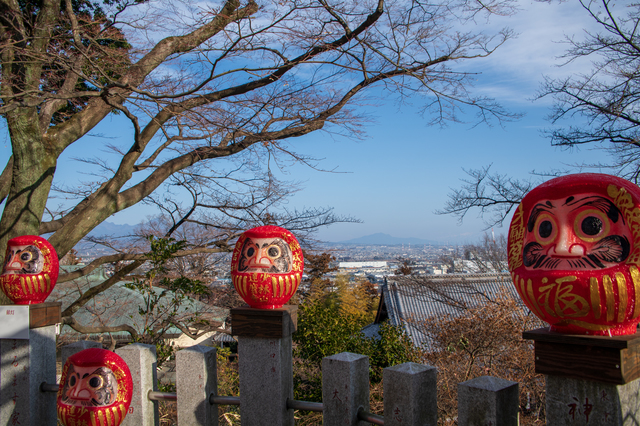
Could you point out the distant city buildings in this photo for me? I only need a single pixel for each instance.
(373, 262)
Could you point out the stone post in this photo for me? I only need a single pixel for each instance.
(24, 365)
(142, 362)
(576, 402)
(73, 348)
(488, 400)
(265, 364)
(590, 379)
(345, 389)
(410, 395)
(196, 380)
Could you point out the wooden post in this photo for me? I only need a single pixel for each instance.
(590, 379)
(25, 364)
(265, 364)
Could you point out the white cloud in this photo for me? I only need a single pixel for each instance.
(514, 72)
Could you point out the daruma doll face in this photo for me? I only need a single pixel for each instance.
(266, 266)
(30, 270)
(574, 256)
(95, 389)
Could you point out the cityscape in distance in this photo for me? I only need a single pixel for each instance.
(374, 256)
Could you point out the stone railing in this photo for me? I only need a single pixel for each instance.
(27, 395)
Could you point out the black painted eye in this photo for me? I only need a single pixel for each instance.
(72, 380)
(591, 225)
(95, 382)
(251, 251)
(26, 256)
(545, 229)
(273, 251)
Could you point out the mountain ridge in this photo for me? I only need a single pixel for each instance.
(380, 238)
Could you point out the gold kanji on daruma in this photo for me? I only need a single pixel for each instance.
(574, 252)
(266, 266)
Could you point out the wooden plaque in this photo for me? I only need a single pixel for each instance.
(43, 314)
(251, 322)
(614, 360)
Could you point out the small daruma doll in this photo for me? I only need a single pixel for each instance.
(30, 270)
(266, 266)
(95, 389)
(574, 253)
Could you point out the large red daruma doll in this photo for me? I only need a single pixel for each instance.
(95, 389)
(574, 251)
(30, 270)
(266, 267)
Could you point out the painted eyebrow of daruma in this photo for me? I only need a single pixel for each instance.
(595, 201)
(598, 202)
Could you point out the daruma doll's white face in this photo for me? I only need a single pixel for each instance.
(271, 255)
(582, 231)
(90, 386)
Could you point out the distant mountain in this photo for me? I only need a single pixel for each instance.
(108, 228)
(386, 239)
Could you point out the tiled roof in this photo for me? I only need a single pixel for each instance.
(408, 301)
(118, 305)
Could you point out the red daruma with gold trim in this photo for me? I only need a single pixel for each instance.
(30, 270)
(574, 251)
(95, 389)
(266, 267)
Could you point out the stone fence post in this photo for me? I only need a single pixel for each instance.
(488, 400)
(265, 364)
(142, 363)
(410, 395)
(590, 379)
(73, 348)
(25, 365)
(196, 380)
(345, 388)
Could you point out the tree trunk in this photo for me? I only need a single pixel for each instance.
(33, 168)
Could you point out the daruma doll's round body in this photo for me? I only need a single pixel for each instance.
(266, 267)
(30, 270)
(95, 389)
(574, 253)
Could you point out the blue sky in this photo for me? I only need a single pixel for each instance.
(401, 172)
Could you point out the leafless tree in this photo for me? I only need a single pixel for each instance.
(495, 195)
(604, 101)
(215, 95)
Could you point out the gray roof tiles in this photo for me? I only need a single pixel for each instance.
(410, 301)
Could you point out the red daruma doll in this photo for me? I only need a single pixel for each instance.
(574, 252)
(95, 389)
(267, 266)
(30, 270)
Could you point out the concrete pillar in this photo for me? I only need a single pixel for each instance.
(73, 348)
(15, 407)
(266, 381)
(196, 379)
(265, 364)
(142, 362)
(488, 400)
(410, 395)
(345, 388)
(24, 365)
(578, 401)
